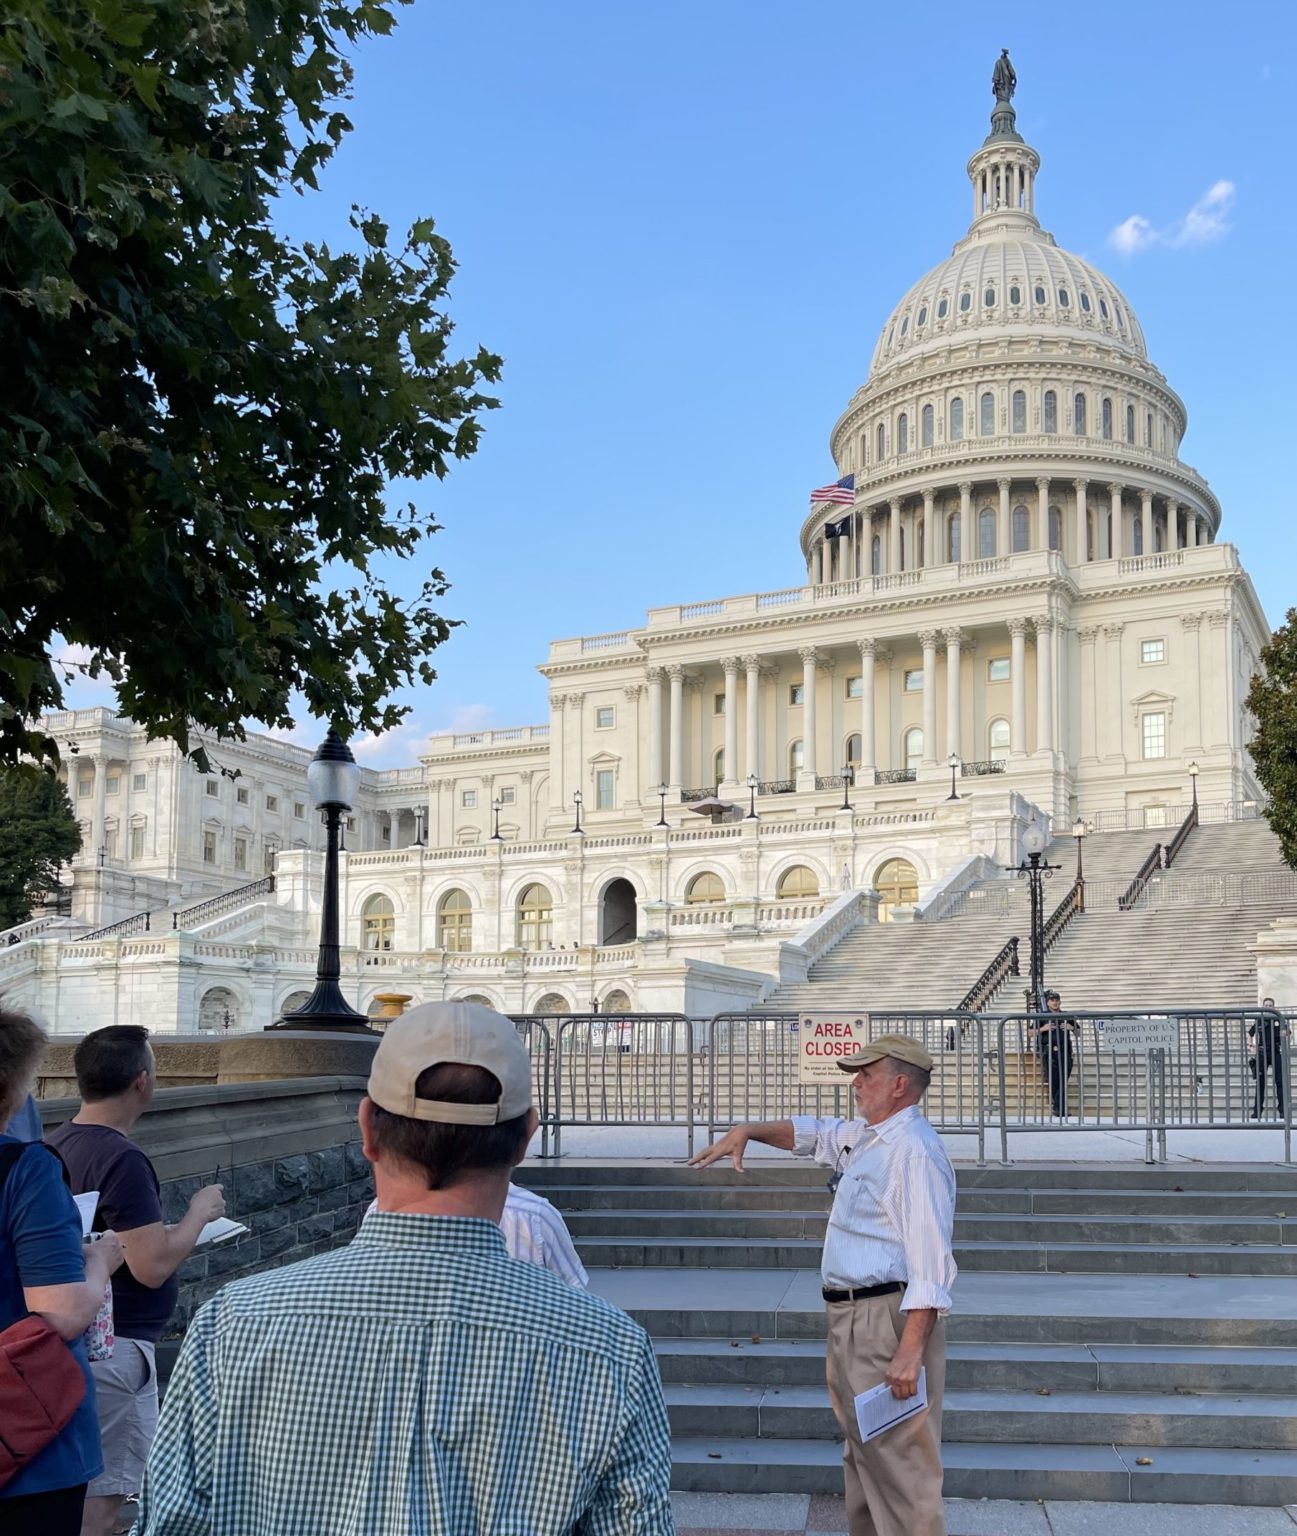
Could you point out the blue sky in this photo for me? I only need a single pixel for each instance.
(683, 225)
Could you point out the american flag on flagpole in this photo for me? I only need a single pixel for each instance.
(841, 493)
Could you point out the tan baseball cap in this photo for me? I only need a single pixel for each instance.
(899, 1047)
(435, 1034)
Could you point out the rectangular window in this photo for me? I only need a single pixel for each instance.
(1152, 651)
(855, 687)
(468, 799)
(241, 853)
(242, 795)
(299, 811)
(114, 783)
(351, 823)
(914, 680)
(796, 694)
(137, 842)
(272, 802)
(213, 789)
(140, 781)
(83, 789)
(110, 843)
(997, 669)
(1154, 729)
(209, 847)
(268, 859)
(603, 788)
(508, 796)
(605, 718)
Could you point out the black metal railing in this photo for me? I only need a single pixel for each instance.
(1072, 904)
(1181, 837)
(979, 770)
(120, 930)
(992, 979)
(1135, 889)
(833, 781)
(225, 902)
(895, 775)
(692, 796)
(777, 787)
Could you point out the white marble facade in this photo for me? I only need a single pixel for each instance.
(1029, 581)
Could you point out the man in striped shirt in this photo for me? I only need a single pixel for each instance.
(418, 1382)
(887, 1274)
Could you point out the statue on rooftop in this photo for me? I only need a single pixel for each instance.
(1003, 80)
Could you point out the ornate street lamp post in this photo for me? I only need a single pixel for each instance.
(846, 785)
(1079, 829)
(753, 781)
(662, 798)
(495, 812)
(1193, 780)
(952, 762)
(333, 779)
(576, 801)
(1034, 872)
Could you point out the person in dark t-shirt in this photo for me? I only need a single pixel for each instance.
(116, 1073)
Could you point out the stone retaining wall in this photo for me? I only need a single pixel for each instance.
(288, 1154)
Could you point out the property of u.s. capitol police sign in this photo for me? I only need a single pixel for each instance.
(822, 1038)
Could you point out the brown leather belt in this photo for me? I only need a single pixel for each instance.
(864, 1292)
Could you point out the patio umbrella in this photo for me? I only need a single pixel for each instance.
(712, 806)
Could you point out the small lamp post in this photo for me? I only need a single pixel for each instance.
(576, 801)
(753, 782)
(1193, 780)
(420, 841)
(495, 827)
(662, 798)
(1079, 829)
(846, 786)
(1034, 872)
(952, 762)
(101, 855)
(333, 779)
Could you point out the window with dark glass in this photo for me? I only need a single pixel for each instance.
(1019, 410)
(876, 556)
(882, 440)
(1021, 529)
(1103, 308)
(1148, 429)
(952, 537)
(1055, 528)
(1063, 300)
(905, 325)
(1015, 294)
(1107, 417)
(985, 534)
(1051, 411)
(1078, 415)
(986, 424)
(903, 433)
(988, 298)
(1130, 423)
(965, 301)
(923, 314)
(956, 420)
(943, 309)
(1085, 302)
(927, 426)
(1040, 294)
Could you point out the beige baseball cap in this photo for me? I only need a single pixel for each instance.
(437, 1033)
(899, 1047)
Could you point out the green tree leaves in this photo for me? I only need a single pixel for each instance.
(199, 419)
(1272, 700)
(38, 833)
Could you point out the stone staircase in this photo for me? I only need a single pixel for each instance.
(1124, 1333)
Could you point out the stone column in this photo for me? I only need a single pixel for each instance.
(809, 757)
(928, 639)
(1044, 626)
(1081, 529)
(1114, 536)
(1041, 540)
(730, 666)
(654, 676)
(1197, 530)
(1191, 623)
(1172, 523)
(954, 639)
(868, 749)
(1089, 710)
(930, 551)
(752, 704)
(894, 537)
(100, 805)
(1146, 521)
(1004, 532)
(965, 509)
(676, 775)
(1018, 684)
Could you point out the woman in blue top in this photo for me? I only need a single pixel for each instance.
(46, 1271)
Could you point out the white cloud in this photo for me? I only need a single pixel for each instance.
(389, 749)
(1206, 221)
(471, 717)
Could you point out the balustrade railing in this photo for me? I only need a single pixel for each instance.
(692, 796)
(981, 769)
(992, 978)
(895, 775)
(777, 787)
(1135, 889)
(225, 902)
(834, 780)
(125, 929)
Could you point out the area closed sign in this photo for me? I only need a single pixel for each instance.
(1152, 1034)
(822, 1039)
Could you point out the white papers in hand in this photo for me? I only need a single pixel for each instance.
(220, 1231)
(877, 1410)
(87, 1205)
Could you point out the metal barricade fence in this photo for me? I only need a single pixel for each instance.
(540, 1048)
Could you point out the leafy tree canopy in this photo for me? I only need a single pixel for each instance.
(198, 418)
(1272, 699)
(38, 833)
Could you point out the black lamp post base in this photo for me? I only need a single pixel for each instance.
(326, 1008)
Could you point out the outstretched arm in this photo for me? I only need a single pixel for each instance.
(770, 1133)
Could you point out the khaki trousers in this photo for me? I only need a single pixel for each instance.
(893, 1484)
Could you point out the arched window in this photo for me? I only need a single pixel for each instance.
(378, 923)
(997, 740)
(1063, 300)
(1107, 417)
(923, 314)
(1015, 294)
(905, 325)
(455, 922)
(615, 1002)
(718, 766)
(965, 303)
(1130, 423)
(218, 1013)
(1040, 293)
(943, 309)
(913, 746)
(797, 883)
(1085, 301)
(1019, 410)
(897, 882)
(1055, 528)
(852, 750)
(551, 1002)
(986, 420)
(956, 420)
(704, 888)
(952, 538)
(535, 918)
(476, 997)
(1021, 529)
(1078, 415)
(985, 534)
(988, 298)
(903, 433)
(1137, 535)
(927, 426)
(1103, 308)
(876, 555)
(1051, 411)
(1148, 429)
(796, 757)
(882, 440)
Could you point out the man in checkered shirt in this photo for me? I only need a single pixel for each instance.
(418, 1382)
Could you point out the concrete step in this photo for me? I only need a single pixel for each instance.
(1025, 1470)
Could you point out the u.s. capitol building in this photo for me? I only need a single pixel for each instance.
(1019, 594)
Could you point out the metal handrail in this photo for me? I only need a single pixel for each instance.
(978, 770)
(139, 923)
(777, 787)
(895, 775)
(1178, 841)
(225, 902)
(688, 796)
(1072, 904)
(992, 978)
(1135, 889)
(833, 781)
